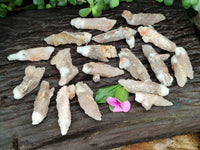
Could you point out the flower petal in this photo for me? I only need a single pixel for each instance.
(117, 109)
(112, 101)
(126, 106)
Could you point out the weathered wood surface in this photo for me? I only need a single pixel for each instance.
(28, 30)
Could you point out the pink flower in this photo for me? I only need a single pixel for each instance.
(119, 106)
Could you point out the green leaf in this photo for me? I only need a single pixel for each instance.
(11, 4)
(99, 5)
(106, 4)
(103, 93)
(111, 107)
(3, 12)
(39, 3)
(168, 2)
(96, 12)
(79, 2)
(9, 8)
(18, 2)
(2, 5)
(48, 6)
(62, 3)
(197, 6)
(114, 3)
(53, 3)
(90, 1)
(122, 94)
(84, 12)
(160, 1)
(186, 4)
(73, 2)
(194, 2)
(40, 7)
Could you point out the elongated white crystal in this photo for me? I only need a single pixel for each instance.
(134, 86)
(86, 100)
(101, 69)
(133, 65)
(148, 100)
(183, 57)
(32, 54)
(142, 18)
(157, 64)
(98, 52)
(102, 24)
(63, 107)
(182, 66)
(63, 63)
(41, 104)
(78, 38)
(149, 34)
(116, 35)
(31, 80)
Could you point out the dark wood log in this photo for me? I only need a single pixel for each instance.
(28, 29)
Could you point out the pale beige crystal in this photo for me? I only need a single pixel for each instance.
(86, 100)
(100, 69)
(149, 34)
(78, 38)
(134, 86)
(157, 64)
(116, 35)
(63, 63)
(133, 65)
(30, 81)
(63, 107)
(102, 24)
(32, 54)
(98, 52)
(148, 100)
(183, 57)
(41, 103)
(182, 66)
(179, 71)
(142, 18)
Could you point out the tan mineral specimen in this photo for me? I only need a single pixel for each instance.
(142, 18)
(183, 142)
(100, 69)
(32, 54)
(182, 66)
(41, 103)
(86, 101)
(133, 65)
(149, 34)
(157, 64)
(78, 38)
(147, 100)
(98, 52)
(31, 80)
(63, 107)
(102, 24)
(63, 62)
(134, 86)
(116, 35)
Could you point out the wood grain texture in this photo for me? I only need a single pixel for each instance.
(28, 29)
